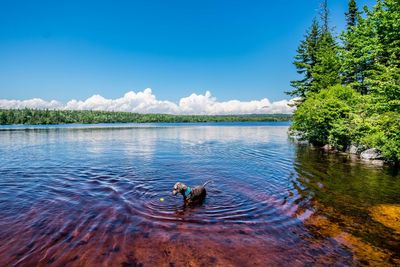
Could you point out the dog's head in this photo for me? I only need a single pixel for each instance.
(178, 188)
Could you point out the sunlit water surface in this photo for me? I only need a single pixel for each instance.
(90, 195)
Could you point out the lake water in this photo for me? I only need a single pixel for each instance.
(90, 195)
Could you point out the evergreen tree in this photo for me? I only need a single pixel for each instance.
(326, 71)
(352, 15)
(324, 15)
(305, 61)
(317, 58)
(387, 21)
(369, 62)
(353, 63)
(384, 80)
(371, 54)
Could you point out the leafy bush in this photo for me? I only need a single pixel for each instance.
(382, 131)
(339, 116)
(325, 116)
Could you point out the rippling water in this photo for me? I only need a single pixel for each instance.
(90, 195)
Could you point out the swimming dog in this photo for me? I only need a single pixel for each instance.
(195, 195)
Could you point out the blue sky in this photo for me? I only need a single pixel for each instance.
(72, 50)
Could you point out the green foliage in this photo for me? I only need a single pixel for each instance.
(34, 116)
(352, 65)
(340, 116)
(352, 15)
(385, 79)
(305, 61)
(358, 56)
(317, 59)
(326, 71)
(371, 52)
(323, 117)
(381, 131)
(340, 134)
(366, 109)
(390, 143)
(324, 16)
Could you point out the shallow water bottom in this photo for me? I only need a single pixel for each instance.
(177, 248)
(91, 197)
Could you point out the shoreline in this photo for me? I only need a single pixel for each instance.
(53, 117)
(376, 162)
(128, 125)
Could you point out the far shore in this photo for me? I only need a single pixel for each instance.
(49, 117)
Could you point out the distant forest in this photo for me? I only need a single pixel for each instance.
(36, 116)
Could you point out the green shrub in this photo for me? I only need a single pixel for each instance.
(324, 117)
(382, 131)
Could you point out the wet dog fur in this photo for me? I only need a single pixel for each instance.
(191, 195)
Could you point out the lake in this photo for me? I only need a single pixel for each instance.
(80, 195)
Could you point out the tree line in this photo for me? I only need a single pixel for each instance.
(37, 116)
(349, 87)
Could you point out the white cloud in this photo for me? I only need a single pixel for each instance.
(31, 103)
(146, 102)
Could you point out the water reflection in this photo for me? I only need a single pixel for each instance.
(343, 193)
(91, 197)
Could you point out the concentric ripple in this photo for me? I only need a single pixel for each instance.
(91, 196)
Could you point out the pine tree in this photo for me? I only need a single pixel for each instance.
(317, 58)
(387, 22)
(384, 80)
(305, 61)
(369, 61)
(352, 67)
(352, 15)
(324, 15)
(326, 71)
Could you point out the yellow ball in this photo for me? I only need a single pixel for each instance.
(162, 199)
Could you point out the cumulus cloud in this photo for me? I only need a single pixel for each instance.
(146, 102)
(36, 103)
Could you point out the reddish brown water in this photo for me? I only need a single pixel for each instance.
(91, 197)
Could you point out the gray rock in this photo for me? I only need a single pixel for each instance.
(300, 142)
(371, 154)
(354, 149)
(297, 137)
(327, 147)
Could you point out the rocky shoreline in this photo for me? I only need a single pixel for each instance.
(368, 155)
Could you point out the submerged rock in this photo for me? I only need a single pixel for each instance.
(371, 154)
(388, 215)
